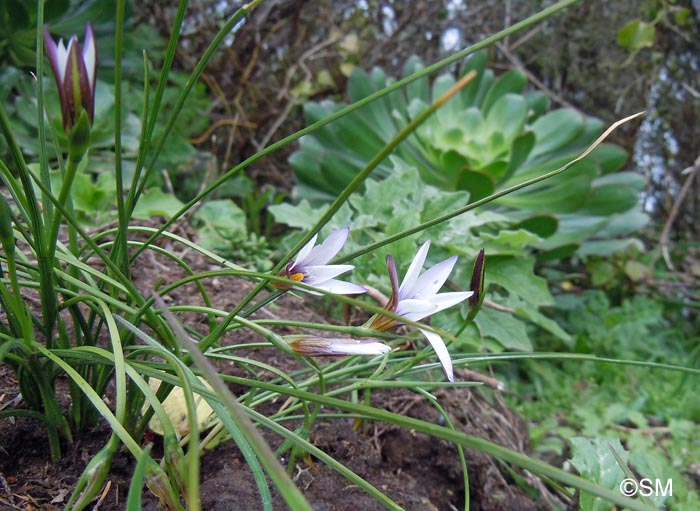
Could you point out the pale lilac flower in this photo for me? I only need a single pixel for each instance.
(319, 346)
(311, 267)
(74, 69)
(418, 298)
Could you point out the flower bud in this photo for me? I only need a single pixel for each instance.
(319, 346)
(74, 69)
(477, 282)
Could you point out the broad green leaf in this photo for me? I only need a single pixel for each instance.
(519, 152)
(223, 214)
(478, 184)
(452, 164)
(566, 197)
(607, 248)
(507, 116)
(224, 225)
(511, 83)
(556, 129)
(418, 88)
(515, 274)
(360, 84)
(496, 169)
(610, 199)
(476, 89)
(631, 180)
(543, 226)
(301, 216)
(436, 202)
(508, 241)
(573, 229)
(155, 202)
(441, 84)
(526, 310)
(359, 133)
(98, 196)
(610, 157)
(537, 104)
(625, 223)
(504, 328)
(560, 252)
(595, 461)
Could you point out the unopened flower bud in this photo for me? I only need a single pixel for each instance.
(74, 68)
(319, 346)
(477, 283)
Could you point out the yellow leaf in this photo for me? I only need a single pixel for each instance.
(175, 407)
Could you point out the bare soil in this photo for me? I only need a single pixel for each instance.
(416, 471)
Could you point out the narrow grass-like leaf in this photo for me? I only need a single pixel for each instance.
(284, 484)
(133, 498)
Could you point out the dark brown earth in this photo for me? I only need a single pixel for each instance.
(416, 471)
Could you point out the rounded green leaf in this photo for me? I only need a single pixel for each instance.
(566, 197)
(360, 84)
(607, 200)
(609, 157)
(513, 82)
(507, 116)
(470, 93)
(442, 84)
(558, 253)
(519, 152)
(478, 184)
(417, 88)
(537, 103)
(556, 129)
(542, 225)
(473, 123)
(495, 169)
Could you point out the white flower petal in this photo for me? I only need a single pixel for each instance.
(90, 55)
(433, 279)
(300, 259)
(339, 287)
(62, 54)
(314, 275)
(358, 347)
(327, 250)
(415, 310)
(445, 300)
(414, 270)
(441, 351)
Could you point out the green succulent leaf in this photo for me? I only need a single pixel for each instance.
(609, 157)
(513, 82)
(566, 197)
(478, 184)
(556, 129)
(543, 226)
